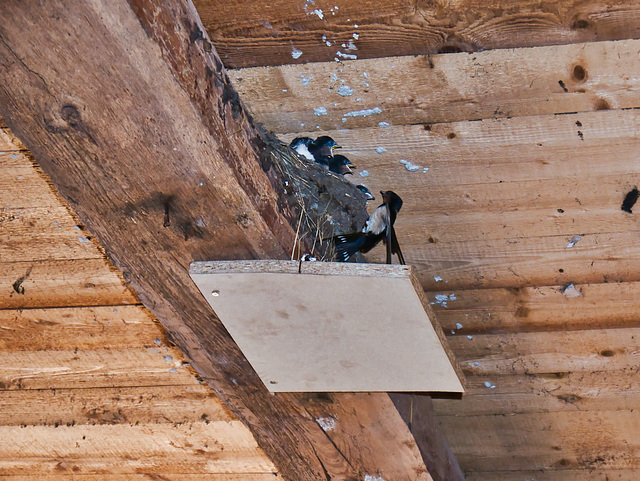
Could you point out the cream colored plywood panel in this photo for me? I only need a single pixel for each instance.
(328, 327)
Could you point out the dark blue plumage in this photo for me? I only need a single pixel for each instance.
(317, 150)
(379, 227)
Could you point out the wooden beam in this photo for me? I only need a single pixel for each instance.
(418, 412)
(147, 122)
(272, 32)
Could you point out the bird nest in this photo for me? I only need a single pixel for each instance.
(320, 204)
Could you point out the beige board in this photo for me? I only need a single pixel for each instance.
(321, 326)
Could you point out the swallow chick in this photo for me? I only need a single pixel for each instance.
(317, 150)
(339, 164)
(366, 192)
(379, 227)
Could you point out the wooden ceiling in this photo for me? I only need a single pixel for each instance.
(516, 227)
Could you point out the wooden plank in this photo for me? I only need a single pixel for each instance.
(145, 477)
(443, 88)
(23, 184)
(539, 308)
(358, 414)
(482, 152)
(601, 474)
(566, 440)
(417, 411)
(476, 154)
(35, 225)
(100, 327)
(270, 33)
(176, 404)
(43, 233)
(167, 131)
(66, 283)
(542, 402)
(582, 384)
(8, 141)
(153, 366)
(543, 352)
(190, 448)
(519, 262)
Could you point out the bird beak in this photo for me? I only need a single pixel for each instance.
(333, 147)
(350, 165)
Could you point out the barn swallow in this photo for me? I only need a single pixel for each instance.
(339, 164)
(379, 227)
(317, 150)
(366, 192)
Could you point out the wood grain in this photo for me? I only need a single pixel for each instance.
(144, 477)
(557, 475)
(583, 384)
(359, 415)
(590, 398)
(78, 282)
(153, 366)
(175, 404)
(190, 448)
(67, 328)
(43, 233)
(35, 225)
(556, 440)
(542, 352)
(269, 33)
(418, 412)
(443, 88)
(539, 308)
(80, 347)
(8, 141)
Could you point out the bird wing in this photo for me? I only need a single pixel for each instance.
(395, 246)
(348, 244)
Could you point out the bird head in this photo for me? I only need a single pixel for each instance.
(326, 145)
(392, 199)
(366, 192)
(341, 165)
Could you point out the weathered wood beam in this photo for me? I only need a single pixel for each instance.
(417, 411)
(272, 31)
(126, 106)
